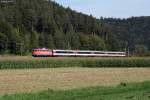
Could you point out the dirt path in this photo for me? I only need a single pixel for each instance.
(12, 81)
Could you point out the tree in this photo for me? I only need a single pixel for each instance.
(113, 43)
(3, 43)
(97, 43)
(34, 40)
(49, 43)
(141, 50)
(14, 44)
(85, 41)
(75, 41)
(59, 40)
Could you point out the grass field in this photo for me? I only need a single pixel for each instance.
(76, 78)
(58, 62)
(134, 91)
(12, 81)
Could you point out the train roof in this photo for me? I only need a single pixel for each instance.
(79, 50)
(41, 49)
(89, 51)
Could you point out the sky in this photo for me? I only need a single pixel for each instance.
(109, 8)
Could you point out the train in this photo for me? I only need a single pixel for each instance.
(44, 52)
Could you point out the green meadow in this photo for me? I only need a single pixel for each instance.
(124, 91)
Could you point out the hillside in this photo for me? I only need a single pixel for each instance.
(135, 31)
(28, 24)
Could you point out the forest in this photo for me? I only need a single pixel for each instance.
(28, 24)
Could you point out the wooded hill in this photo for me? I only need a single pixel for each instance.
(134, 31)
(28, 24)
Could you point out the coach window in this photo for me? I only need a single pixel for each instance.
(64, 52)
(84, 52)
(112, 53)
(99, 53)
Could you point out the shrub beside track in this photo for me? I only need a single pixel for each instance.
(75, 62)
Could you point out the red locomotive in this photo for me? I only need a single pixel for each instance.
(43, 52)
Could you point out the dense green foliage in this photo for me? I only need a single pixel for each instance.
(75, 62)
(134, 33)
(28, 24)
(134, 91)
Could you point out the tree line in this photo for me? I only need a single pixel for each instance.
(28, 24)
(135, 31)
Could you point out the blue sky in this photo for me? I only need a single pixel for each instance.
(109, 8)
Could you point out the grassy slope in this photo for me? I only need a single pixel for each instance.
(134, 91)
